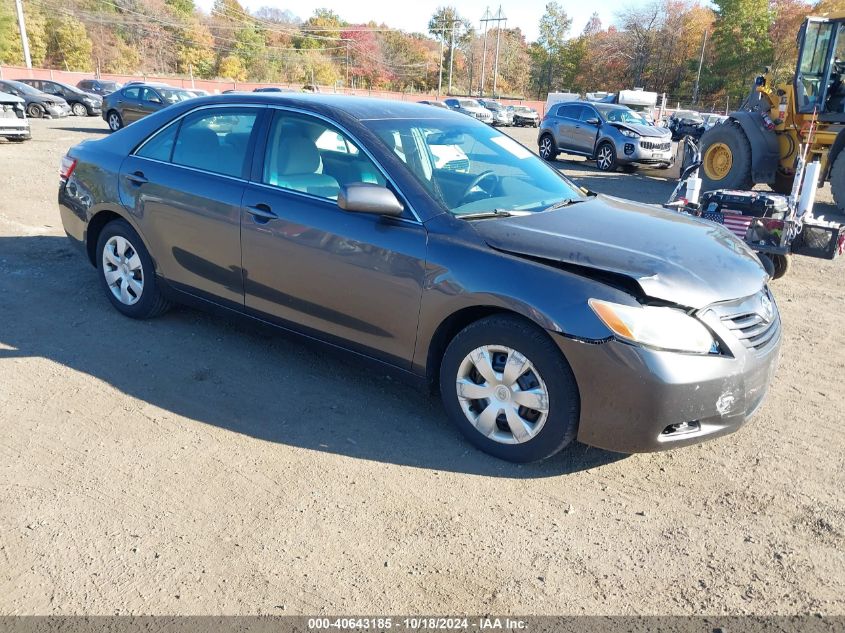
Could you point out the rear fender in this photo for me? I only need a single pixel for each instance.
(765, 150)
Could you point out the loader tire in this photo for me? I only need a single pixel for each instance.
(726, 158)
(837, 181)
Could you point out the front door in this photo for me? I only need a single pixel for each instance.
(353, 277)
(185, 187)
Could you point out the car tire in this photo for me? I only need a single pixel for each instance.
(545, 373)
(127, 273)
(78, 109)
(19, 139)
(782, 264)
(114, 120)
(606, 157)
(35, 111)
(547, 147)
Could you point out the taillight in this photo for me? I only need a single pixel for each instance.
(68, 165)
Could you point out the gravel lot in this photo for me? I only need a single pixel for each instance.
(193, 465)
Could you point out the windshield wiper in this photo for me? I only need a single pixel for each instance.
(563, 203)
(495, 213)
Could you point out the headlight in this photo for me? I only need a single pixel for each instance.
(629, 133)
(661, 328)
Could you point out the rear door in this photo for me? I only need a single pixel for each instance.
(128, 104)
(184, 185)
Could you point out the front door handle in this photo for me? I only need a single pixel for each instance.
(262, 211)
(138, 178)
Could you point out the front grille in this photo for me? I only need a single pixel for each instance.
(653, 145)
(747, 321)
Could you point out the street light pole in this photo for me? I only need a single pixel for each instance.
(452, 55)
(700, 64)
(499, 18)
(484, 21)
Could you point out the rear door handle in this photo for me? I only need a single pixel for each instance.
(138, 178)
(262, 211)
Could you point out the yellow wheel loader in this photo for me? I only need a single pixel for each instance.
(759, 142)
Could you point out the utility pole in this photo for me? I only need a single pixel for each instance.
(347, 63)
(452, 56)
(24, 39)
(440, 70)
(499, 19)
(700, 64)
(484, 20)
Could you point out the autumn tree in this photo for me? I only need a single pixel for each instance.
(741, 37)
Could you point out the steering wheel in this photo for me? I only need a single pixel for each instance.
(484, 175)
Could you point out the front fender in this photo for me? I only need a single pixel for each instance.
(553, 298)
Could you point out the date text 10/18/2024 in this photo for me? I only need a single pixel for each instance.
(418, 623)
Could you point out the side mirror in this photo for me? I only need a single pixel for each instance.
(365, 197)
(593, 121)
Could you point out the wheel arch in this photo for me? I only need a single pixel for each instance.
(601, 140)
(765, 149)
(95, 227)
(449, 328)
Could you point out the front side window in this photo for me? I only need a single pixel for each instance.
(310, 156)
(469, 167)
(214, 140)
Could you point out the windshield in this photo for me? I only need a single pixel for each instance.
(469, 103)
(622, 115)
(24, 88)
(493, 105)
(469, 167)
(174, 96)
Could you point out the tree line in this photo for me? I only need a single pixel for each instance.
(657, 45)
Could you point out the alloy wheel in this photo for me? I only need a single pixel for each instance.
(502, 394)
(122, 270)
(605, 159)
(546, 147)
(114, 121)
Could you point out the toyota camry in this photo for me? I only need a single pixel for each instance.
(541, 312)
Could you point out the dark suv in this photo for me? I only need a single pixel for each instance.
(81, 103)
(98, 86)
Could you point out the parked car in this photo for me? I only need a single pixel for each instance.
(100, 87)
(612, 135)
(501, 115)
(197, 92)
(713, 119)
(135, 101)
(436, 104)
(470, 107)
(81, 103)
(686, 123)
(38, 104)
(14, 125)
(273, 89)
(542, 312)
(523, 116)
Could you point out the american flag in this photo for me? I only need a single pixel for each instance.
(735, 222)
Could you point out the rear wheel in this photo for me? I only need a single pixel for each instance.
(548, 149)
(837, 181)
(127, 273)
(509, 390)
(726, 158)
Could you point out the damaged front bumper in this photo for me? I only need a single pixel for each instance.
(635, 399)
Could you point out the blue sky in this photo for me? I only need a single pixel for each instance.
(413, 15)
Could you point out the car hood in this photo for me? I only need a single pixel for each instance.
(643, 130)
(671, 256)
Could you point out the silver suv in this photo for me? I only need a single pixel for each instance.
(612, 135)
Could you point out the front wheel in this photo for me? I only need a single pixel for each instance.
(548, 149)
(35, 111)
(127, 273)
(79, 109)
(606, 157)
(726, 158)
(114, 121)
(510, 391)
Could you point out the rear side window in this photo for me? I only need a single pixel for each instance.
(160, 146)
(131, 93)
(570, 111)
(215, 140)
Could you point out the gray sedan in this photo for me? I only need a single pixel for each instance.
(541, 312)
(612, 135)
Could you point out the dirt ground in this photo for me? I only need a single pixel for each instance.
(192, 465)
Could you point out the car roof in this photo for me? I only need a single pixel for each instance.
(361, 108)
